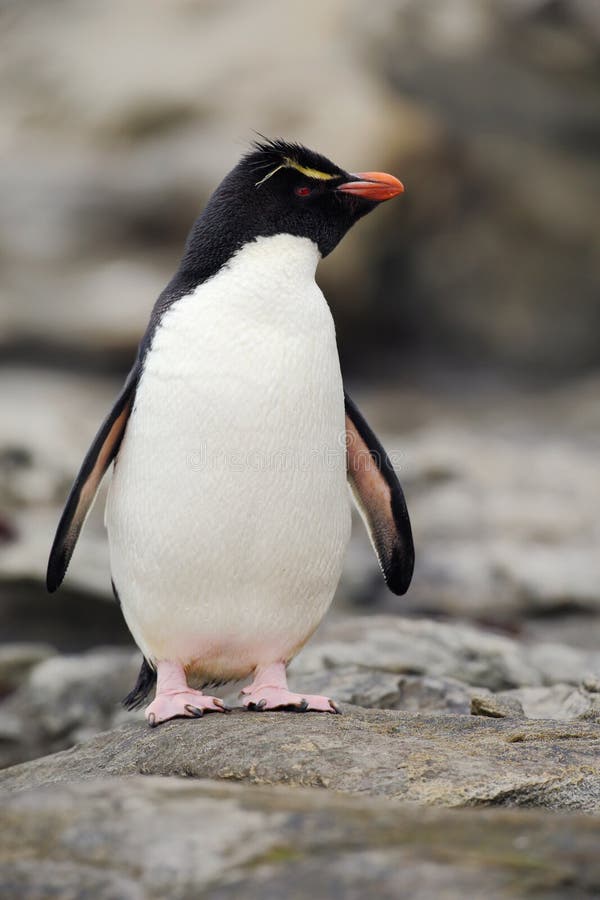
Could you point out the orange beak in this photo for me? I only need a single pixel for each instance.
(373, 186)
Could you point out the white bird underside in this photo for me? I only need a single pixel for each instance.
(228, 513)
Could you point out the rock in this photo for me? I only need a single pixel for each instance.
(270, 843)
(591, 684)
(441, 650)
(425, 694)
(500, 706)
(517, 180)
(16, 660)
(498, 541)
(350, 684)
(376, 662)
(487, 110)
(68, 620)
(375, 689)
(98, 216)
(78, 695)
(447, 760)
(149, 837)
(559, 701)
(558, 662)
(49, 421)
(65, 699)
(11, 733)
(494, 540)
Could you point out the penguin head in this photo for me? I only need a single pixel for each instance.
(285, 188)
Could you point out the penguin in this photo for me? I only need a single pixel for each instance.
(233, 444)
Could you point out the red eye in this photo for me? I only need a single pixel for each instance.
(302, 191)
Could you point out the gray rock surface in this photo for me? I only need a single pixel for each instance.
(96, 210)
(514, 87)
(64, 700)
(497, 706)
(375, 662)
(138, 837)
(94, 819)
(488, 111)
(503, 495)
(442, 649)
(142, 837)
(377, 689)
(447, 760)
(48, 422)
(17, 660)
(558, 701)
(502, 538)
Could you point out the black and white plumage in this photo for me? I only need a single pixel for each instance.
(228, 513)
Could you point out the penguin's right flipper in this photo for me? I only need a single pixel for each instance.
(97, 460)
(380, 500)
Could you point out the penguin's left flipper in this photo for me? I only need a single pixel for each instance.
(79, 502)
(380, 500)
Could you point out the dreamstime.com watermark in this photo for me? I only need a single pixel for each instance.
(350, 447)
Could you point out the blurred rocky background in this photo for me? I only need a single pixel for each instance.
(468, 316)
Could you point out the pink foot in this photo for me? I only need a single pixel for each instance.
(187, 704)
(174, 699)
(271, 697)
(269, 690)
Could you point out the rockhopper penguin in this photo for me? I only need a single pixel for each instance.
(233, 445)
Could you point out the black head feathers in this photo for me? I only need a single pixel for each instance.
(268, 156)
(278, 187)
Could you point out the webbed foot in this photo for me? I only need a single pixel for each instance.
(264, 697)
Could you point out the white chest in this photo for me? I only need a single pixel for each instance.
(260, 329)
(229, 504)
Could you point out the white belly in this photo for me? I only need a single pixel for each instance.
(228, 514)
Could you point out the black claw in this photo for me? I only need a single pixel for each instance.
(294, 707)
(152, 720)
(224, 706)
(257, 705)
(335, 708)
(194, 711)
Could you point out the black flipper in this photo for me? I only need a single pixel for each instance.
(380, 500)
(98, 458)
(144, 684)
